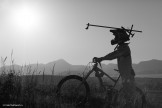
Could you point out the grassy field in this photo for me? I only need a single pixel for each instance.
(38, 91)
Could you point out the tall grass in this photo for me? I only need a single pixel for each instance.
(34, 89)
(18, 88)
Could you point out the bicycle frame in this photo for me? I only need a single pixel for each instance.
(102, 73)
(111, 92)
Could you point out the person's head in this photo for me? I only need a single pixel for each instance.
(120, 36)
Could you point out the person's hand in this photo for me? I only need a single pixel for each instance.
(97, 59)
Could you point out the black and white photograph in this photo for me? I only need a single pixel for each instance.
(80, 54)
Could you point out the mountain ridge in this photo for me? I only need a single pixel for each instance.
(62, 67)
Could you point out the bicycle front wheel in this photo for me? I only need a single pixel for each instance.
(72, 91)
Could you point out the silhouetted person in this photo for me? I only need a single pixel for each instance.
(123, 55)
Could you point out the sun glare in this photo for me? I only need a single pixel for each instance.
(25, 18)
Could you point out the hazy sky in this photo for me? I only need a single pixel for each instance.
(46, 30)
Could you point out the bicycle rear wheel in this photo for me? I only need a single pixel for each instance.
(72, 91)
(138, 101)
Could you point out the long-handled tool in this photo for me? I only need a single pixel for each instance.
(129, 31)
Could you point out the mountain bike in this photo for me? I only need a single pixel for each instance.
(73, 90)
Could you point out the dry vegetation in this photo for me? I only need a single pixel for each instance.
(37, 90)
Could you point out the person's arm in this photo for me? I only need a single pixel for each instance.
(115, 54)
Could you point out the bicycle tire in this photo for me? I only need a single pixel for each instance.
(67, 99)
(140, 100)
(143, 98)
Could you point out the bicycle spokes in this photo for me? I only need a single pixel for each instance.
(72, 91)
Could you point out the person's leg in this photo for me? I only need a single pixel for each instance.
(127, 93)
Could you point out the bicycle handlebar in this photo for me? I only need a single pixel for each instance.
(96, 64)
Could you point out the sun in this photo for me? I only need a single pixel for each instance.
(25, 18)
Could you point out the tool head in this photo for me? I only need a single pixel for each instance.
(87, 26)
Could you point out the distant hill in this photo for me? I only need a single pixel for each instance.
(149, 67)
(62, 67)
